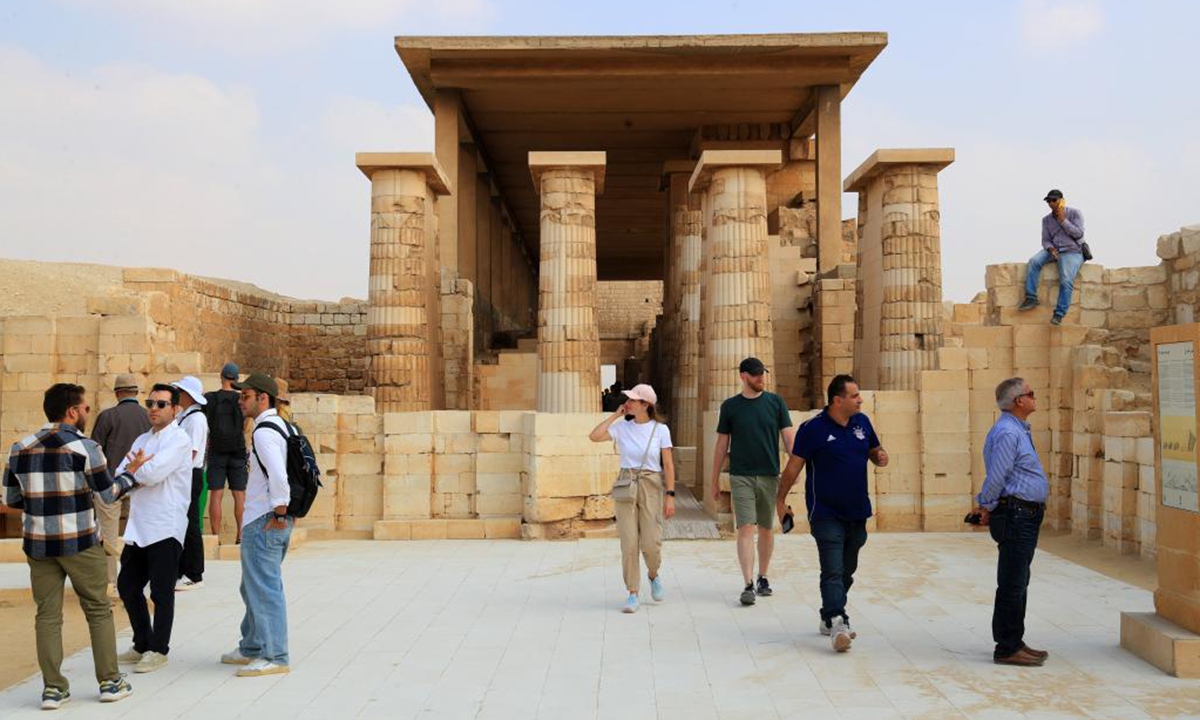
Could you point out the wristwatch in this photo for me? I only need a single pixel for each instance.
(671, 493)
(281, 518)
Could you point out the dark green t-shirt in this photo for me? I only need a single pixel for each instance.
(753, 428)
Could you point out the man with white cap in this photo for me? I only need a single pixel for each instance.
(193, 420)
(115, 430)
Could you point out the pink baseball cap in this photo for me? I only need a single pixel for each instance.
(642, 392)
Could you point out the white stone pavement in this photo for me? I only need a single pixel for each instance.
(509, 629)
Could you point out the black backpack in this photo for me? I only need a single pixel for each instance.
(303, 475)
(225, 422)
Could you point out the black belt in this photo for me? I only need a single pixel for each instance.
(1012, 501)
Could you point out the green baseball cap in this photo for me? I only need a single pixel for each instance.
(261, 382)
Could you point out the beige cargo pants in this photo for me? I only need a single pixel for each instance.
(639, 525)
(109, 517)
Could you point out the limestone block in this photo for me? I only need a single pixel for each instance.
(549, 509)
(952, 505)
(598, 507)
(465, 529)
(434, 529)
(987, 336)
(491, 504)
(1127, 424)
(952, 358)
(942, 380)
(407, 423)
(502, 528)
(451, 421)
(392, 530)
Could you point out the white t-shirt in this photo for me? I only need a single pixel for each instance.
(196, 424)
(631, 439)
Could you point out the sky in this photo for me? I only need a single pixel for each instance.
(217, 137)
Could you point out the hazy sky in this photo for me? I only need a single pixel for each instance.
(218, 136)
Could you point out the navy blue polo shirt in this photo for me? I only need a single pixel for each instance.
(835, 465)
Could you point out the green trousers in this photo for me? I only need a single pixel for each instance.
(89, 577)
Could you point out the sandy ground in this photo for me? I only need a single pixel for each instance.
(19, 658)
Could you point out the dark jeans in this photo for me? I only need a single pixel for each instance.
(838, 543)
(1015, 530)
(158, 565)
(191, 562)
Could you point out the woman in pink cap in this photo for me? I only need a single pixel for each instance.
(645, 489)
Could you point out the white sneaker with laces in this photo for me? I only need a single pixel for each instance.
(824, 628)
(184, 584)
(839, 636)
(150, 662)
(259, 667)
(129, 657)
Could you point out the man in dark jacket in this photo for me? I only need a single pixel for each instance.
(115, 430)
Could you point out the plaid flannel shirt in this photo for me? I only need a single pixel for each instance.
(51, 476)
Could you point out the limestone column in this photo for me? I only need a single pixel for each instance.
(900, 264)
(568, 333)
(402, 314)
(686, 221)
(737, 323)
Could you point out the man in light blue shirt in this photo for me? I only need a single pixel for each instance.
(1012, 503)
(1062, 242)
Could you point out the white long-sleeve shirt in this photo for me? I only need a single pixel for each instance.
(158, 506)
(266, 492)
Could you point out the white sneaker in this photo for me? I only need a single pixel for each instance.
(853, 635)
(826, 630)
(839, 636)
(184, 584)
(150, 662)
(235, 657)
(259, 667)
(129, 657)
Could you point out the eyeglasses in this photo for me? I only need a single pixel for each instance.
(1029, 395)
(160, 404)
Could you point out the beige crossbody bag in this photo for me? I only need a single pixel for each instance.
(625, 487)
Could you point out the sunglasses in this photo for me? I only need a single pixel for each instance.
(160, 404)
(1028, 395)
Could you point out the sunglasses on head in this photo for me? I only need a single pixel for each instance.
(160, 404)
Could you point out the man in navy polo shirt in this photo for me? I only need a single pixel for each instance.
(834, 446)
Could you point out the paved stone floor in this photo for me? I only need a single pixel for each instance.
(511, 629)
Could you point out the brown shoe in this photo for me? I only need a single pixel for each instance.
(1020, 658)
(1034, 652)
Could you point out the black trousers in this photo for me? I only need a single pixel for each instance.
(191, 561)
(1015, 530)
(157, 565)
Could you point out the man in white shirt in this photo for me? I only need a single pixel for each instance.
(266, 531)
(192, 419)
(155, 529)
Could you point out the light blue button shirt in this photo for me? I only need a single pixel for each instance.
(1013, 467)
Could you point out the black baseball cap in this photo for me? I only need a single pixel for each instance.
(1055, 194)
(261, 382)
(753, 366)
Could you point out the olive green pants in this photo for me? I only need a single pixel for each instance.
(89, 578)
(639, 525)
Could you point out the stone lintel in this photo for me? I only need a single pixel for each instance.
(675, 167)
(938, 157)
(541, 161)
(424, 162)
(711, 160)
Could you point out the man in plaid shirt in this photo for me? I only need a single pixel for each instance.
(51, 476)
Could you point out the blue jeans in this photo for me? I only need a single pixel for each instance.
(1068, 267)
(264, 627)
(1015, 530)
(838, 543)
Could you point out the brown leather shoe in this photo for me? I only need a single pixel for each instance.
(1020, 658)
(1034, 652)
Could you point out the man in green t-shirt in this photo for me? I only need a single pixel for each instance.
(748, 432)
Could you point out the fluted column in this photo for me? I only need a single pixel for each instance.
(684, 273)
(402, 293)
(568, 333)
(900, 264)
(738, 322)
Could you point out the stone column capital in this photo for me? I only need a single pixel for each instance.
(884, 158)
(543, 161)
(713, 160)
(372, 162)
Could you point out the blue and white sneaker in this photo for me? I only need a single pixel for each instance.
(114, 690)
(53, 698)
(631, 604)
(656, 588)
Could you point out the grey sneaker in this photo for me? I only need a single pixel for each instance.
(825, 629)
(53, 698)
(748, 594)
(839, 635)
(1056, 320)
(1029, 303)
(129, 657)
(150, 662)
(114, 690)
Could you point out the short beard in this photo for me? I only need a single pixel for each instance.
(81, 425)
